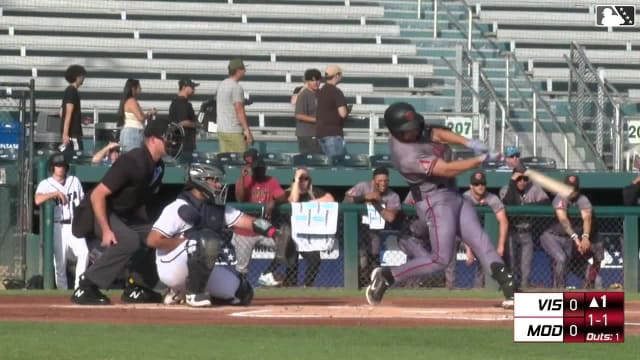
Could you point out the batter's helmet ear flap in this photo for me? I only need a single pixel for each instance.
(401, 117)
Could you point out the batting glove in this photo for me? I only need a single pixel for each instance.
(477, 147)
(493, 156)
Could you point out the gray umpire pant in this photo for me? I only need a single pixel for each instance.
(521, 253)
(131, 234)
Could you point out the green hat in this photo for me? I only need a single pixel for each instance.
(235, 64)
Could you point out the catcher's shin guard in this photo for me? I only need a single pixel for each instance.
(504, 278)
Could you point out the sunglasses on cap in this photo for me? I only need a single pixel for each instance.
(522, 178)
(514, 156)
(479, 184)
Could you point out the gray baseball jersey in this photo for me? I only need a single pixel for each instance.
(532, 194)
(390, 198)
(440, 206)
(576, 221)
(489, 199)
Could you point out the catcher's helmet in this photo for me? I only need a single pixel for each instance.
(57, 159)
(401, 117)
(197, 175)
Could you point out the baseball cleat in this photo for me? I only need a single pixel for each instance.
(198, 300)
(141, 295)
(268, 280)
(173, 298)
(379, 284)
(507, 304)
(89, 295)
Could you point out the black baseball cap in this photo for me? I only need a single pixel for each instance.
(157, 128)
(250, 155)
(573, 180)
(478, 178)
(187, 82)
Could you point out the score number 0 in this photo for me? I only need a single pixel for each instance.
(462, 126)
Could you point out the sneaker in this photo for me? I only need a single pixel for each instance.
(141, 295)
(89, 295)
(507, 304)
(173, 297)
(379, 284)
(198, 300)
(268, 280)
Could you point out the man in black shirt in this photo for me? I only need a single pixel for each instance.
(71, 114)
(119, 204)
(181, 112)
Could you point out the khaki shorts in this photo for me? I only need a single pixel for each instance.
(232, 142)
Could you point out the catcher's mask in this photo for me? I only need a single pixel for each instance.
(402, 117)
(209, 179)
(172, 134)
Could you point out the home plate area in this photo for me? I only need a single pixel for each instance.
(377, 312)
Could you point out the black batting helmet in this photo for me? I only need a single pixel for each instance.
(401, 117)
(57, 159)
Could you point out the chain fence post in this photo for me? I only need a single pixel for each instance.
(350, 240)
(630, 262)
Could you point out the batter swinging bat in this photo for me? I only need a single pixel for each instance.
(549, 183)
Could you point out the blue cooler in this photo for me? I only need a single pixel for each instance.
(10, 136)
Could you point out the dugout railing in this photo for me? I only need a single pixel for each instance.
(340, 268)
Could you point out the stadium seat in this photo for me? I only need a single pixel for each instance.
(538, 162)
(380, 160)
(230, 159)
(277, 159)
(311, 160)
(352, 160)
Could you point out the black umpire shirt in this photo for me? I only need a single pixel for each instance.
(133, 179)
(181, 109)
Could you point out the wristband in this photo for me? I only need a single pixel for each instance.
(585, 236)
(574, 236)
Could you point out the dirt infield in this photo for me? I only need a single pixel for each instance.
(306, 311)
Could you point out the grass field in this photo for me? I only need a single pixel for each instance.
(22, 340)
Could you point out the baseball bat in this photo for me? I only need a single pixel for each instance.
(549, 183)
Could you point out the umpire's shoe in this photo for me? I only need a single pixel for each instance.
(141, 295)
(89, 295)
(381, 280)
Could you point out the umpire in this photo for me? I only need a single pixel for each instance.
(118, 204)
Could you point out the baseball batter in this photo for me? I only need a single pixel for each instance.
(187, 238)
(67, 192)
(420, 154)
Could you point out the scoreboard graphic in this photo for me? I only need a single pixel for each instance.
(591, 317)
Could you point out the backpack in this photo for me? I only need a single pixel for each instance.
(208, 113)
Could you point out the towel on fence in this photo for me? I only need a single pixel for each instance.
(314, 225)
(373, 218)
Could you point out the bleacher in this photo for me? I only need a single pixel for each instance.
(387, 54)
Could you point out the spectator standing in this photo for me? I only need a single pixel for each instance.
(520, 191)
(306, 104)
(631, 193)
(255, 186)
(71, 114)
(119, 203)
(130, 116)
(386, 203)
(66, 191)
(331, 113)
(302, 190)
(181, 113)
(234, 133)
(511, 158)
(563, 242)
(479, 196)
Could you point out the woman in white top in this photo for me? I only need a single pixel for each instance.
(130, 116)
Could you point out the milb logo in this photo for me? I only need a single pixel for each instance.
(615, 15)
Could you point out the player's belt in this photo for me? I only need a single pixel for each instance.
(416, 191)
(62, 221)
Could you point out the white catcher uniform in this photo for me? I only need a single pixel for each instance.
(172, 264)
(63, 239)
